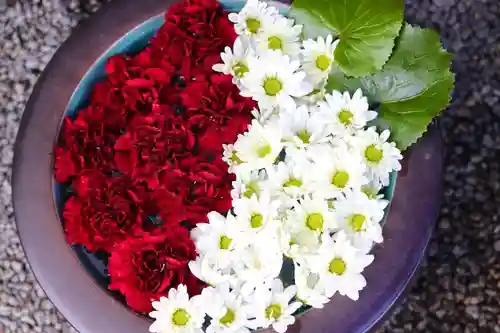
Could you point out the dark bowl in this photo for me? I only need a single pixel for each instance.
(63, 271)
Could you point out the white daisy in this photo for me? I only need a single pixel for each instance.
(235, 61)
(273, 79)
(259, 146)
(360, 218)
(337, 170)
(253, 18)
(309, 289)
(298, 244)
(227, 310)
(258, 264)
(345, 115)
(282, 36)
(381, 157)
(274, 306)
(248, 184)
(318, 58)
(205, 268)
(372, 189)
(255, 216)
(339, 265)
(231, 158)
(288, 179)
(311, 215)
(302, 128)
(178, 313)
(214, 239)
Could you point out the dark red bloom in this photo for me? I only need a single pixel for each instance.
(193, 36)
(204, 186)
(104, 211)
(85, 143)
(144, 269)
(151, 144)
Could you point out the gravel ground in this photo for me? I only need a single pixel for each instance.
(458, 287)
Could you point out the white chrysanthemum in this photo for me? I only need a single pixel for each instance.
(255, 216)
(235, 61)
(253, 18)
(302, 128)
(248, 184)
(336, 170)
(226, 308)
(259, 147)
(205, 268)
(274, 306)
(213, 239)
(288, 179)
(381, 157)
(311, 215)
(298, 244)
(231, 158)
(339, 265)
(273, 79)
(345, 115)
(372, 189)
(258, 264)
(309, 289)
(318, 58)
(282, 36)
(178, 313)
(360, 218)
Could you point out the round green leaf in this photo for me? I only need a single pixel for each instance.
(413, 87)
(366, 29)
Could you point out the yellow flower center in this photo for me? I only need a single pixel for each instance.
(323, 62)
(235, 159)
(228, 318)
(292, 182)
(272, 86)
(373, 154)
(274, 43)
(240, 68)
(340, 179)
(224, 242)
(345, 117)
(264, 150)
(253, 25)
(304, 135)
(256, 220)
(180, 317)
(314, 221)
(273, 311)
(337, 266)
(251, 189)
(356, 222)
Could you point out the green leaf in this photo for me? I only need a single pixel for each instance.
(412, 88)
(366, 29)
(311, 26)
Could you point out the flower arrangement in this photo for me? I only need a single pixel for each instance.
(232, 172)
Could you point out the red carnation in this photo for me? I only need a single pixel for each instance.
(204, 186)
(104, 211)
(85, 143)
(194, 34)
(151, 144)
(144, 269)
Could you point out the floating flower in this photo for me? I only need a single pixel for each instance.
(274, 79)
(227, 309)
(283, 35)
(178, 313)
(253, 18)
(318, 58)
(345, 115)
(274, 306)
(235, 60)
(339, 265)
(360, 218)
(381, 157)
